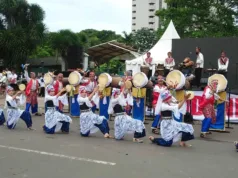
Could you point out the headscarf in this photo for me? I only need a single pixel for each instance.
(82, 89)
(163, 97)
(50, 88)
(9, 88)
(115, 92)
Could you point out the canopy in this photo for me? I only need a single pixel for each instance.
(158, 52)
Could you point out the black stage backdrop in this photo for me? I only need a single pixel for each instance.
(211, 49)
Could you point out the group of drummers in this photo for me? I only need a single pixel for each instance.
(123, 98)
(192, 70)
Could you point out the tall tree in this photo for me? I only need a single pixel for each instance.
(144, 39)
(21, 30)
(204, 18)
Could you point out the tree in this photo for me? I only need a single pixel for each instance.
(127, 38)
(21, 30)
(204, 18)
(144, 39)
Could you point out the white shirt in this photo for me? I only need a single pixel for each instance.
(41, 82)
(200, 61)
(12, 77)
(169, 66)
(3, 79)
(159, 89)
(90, 87)
(33, 87)
(222, 66)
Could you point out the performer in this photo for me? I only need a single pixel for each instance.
(122, 84)
(149, 62)
(54, 120)
(90, 84)
(223, 63)
(42, 86)
(123, 123)
(236, 145)
(159, 88)
(31, 93)
(12, 77)
(199, 66)
(207, 107)
(2, 117)
(169, 64)
(90, 122)
(171, 130)
(13, 112)
(58, 86)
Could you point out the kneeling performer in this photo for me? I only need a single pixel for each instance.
(171, 130)
(90, 122)
(124, 123)
(13, 112)
(54, 120)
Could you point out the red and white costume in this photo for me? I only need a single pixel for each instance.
(58, 86)
(89, 85)
(156, 92)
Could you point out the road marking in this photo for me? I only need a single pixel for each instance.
(59, 155)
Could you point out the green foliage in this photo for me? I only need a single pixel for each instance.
(204, 18)
(21, 30)
(144, 39)
(114, 66)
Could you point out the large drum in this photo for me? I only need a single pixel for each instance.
(222, 82)
(115, 82)
(104, 80)
(48, 78)
(176, 77)
(140, 80)
(75, 78)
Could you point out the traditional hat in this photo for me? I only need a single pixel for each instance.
(140, 80)
(166, 95)
(220, 79)
(191, 94)
(115, 92)
(176, 77)
(50, 88)
(74, 78)
(128, 84)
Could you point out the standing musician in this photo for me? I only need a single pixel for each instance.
(58, 86)
(90, 84)
(31, 92)
(199, 66)
(12, 77)
(159, 88)
(223, 63)
(149, 63)
(169, 64)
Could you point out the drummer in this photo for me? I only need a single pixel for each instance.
(207, 107)
(158, 88)
(58, 86)
(90, 84)
(169, 64)
(31, 93)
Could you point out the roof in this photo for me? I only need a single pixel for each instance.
(103, 52)
(48, 61)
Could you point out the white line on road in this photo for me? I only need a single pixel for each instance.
(59, 155)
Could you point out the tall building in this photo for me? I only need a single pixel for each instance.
(143, 13)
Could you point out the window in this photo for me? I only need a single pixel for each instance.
(133, 11)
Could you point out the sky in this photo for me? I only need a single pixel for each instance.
(78, 15)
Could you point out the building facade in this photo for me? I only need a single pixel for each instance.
(143, 14)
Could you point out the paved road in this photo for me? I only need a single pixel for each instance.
(33, 154)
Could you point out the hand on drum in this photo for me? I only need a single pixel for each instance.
(172, 85)
(186, 96)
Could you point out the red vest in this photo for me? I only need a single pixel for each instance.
(205, 101)
(29, 85)
(56, 86)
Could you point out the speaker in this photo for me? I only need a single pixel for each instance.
(74, 57)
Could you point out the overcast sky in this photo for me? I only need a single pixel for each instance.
(84, 14)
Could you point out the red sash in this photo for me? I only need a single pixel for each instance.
(206, 101)
(56, 86)
(223, 60)
(169, 60)
(29, 85)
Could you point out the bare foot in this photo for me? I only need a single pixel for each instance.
(151, 138)
(183, 144)
(137, 140)
(30, 128)
(107, 136)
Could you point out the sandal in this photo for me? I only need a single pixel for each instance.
(30, 128)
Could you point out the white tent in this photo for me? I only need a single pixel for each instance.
(158, 52)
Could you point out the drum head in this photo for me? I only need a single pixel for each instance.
(222, 81)
(128, 84)
(68, 88)
(74, 78)
(103, 80)
(48, 79)
(191, 94)
(140, 80)
(176, 77)
(22, 87)
(101, 87)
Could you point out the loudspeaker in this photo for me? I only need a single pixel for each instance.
(74, 57)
